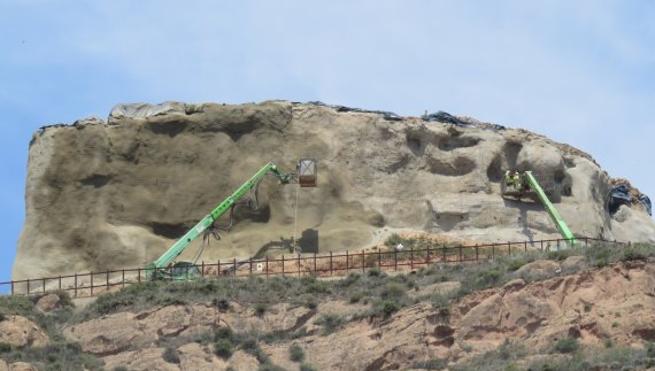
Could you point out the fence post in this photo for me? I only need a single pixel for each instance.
(395, 259)
(282, 265)
(330, 263)
(75, 285)
(379, 259)
(59, 282)
(12, 287)
(107, 280)
(476, 253)
(525, 246)
(411, 258)
(202, 269)
(347, 261)
(315, 270)
(509, 248)
(138, 274)
(266, 266)
(250, 268)
(91, 274)
(363, 261)
(43, 285)
(586, 242)
(298, 261)
(28, 286)
(558, 244)
(123, 278)
(541, 242)
(218, 267)
(493, 251)
(461, 256)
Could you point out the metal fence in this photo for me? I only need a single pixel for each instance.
(324, 265)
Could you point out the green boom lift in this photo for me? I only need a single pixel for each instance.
(522, 184)
(163, 268)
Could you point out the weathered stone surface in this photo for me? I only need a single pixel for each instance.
(20, 331)
(48, 303)
(538, 269)
(118, 194)
(573, 263)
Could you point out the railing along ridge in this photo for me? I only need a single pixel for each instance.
(301, 264)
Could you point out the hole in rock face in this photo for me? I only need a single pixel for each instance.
(261, 215)
(449, 220)
(458, 167)
(451, 143)
(171, 129)
(511, 151)
(495, 171)
(414, 143)
(96, 180)
(172, 231)
(505, 160)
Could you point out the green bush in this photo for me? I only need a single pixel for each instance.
(394, 240)
(120, 368)
(269, 367)
(223, 348)
(389, 307)
(375, 272)
(222, 304)
(650, 350)
(330, 323)
(433, 364)
(170, 355)
(393, 291)
(5, 348)
(260, 309)
(296, 353)
(224, 333)
(567, 345)
(307, 367)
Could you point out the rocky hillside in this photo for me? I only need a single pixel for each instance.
(116, 193)
(590, 309)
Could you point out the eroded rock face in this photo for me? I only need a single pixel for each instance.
(20, 331)
(117, 194)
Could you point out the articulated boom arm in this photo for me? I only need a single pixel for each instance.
(552, 211)
(180, 245)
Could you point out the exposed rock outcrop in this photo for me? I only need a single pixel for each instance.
(117, 194)
(20, 331)
(614, 304)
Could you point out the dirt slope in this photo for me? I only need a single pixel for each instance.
(115, 194)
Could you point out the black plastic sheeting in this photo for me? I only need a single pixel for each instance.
(445, 117)
(385, 114)
(620, 195)
(645, 200)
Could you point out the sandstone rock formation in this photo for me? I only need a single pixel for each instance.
(20, 331)
(116, 194)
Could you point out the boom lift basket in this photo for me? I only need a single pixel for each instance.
(307, 172)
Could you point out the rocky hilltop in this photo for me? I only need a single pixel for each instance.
(116, 193)
(579, 309)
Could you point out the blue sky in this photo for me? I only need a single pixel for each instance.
(581, 72)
